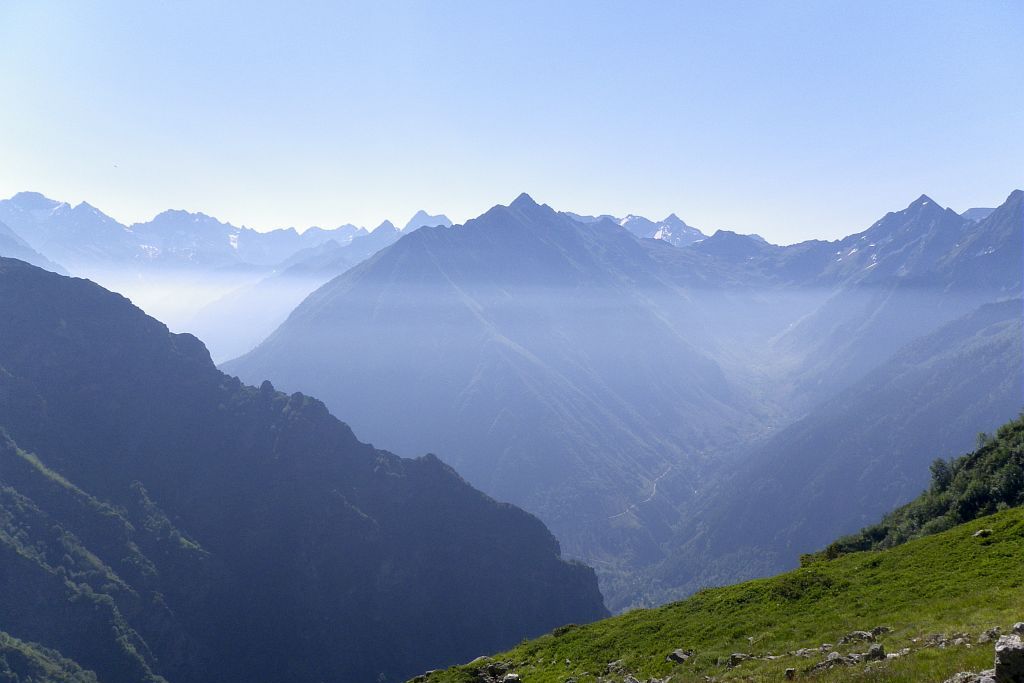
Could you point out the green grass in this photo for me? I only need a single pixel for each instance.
(945, 583)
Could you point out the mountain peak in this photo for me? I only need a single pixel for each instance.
(922, 201)
(175, 213)
(423, 219)
(33, 201)
(86, 207)
(523, 201)
(386, 226)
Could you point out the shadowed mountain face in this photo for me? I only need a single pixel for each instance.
(160, 520)
(616, 385)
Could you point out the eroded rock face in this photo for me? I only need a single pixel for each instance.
(1010, 659)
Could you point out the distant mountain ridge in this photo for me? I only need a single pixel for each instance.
(422, 219)
(84, 236)
(672, 229)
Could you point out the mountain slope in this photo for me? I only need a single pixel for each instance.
(927, 602)
(925, 593)
(161, 520)
(623, 389)
(989, 479)
(241, 319)
(907, 275)
(12, 246)
(872, 443)
(30, 663)
(537, 354)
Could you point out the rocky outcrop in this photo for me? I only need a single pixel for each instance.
(1009, 659)
(990, 636)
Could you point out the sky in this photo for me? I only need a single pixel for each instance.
(794, 120)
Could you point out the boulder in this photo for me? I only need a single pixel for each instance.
(1018, 628)
(510, 678)
(982, 533)
(790, 674)
(679, 656)
(1010, 659)
(879, 630)
(835, 659)
(875, 652)
(857, 637)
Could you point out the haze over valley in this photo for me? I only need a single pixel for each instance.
(528, 342)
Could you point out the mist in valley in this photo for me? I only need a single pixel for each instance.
(689, 382)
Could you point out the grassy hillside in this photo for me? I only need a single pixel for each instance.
(979, 483)
(948, 583)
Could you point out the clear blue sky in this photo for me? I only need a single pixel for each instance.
(791, 119)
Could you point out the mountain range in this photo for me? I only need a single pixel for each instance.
(638, 396)
(647, 390)
(162, 521)
(84, 238)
